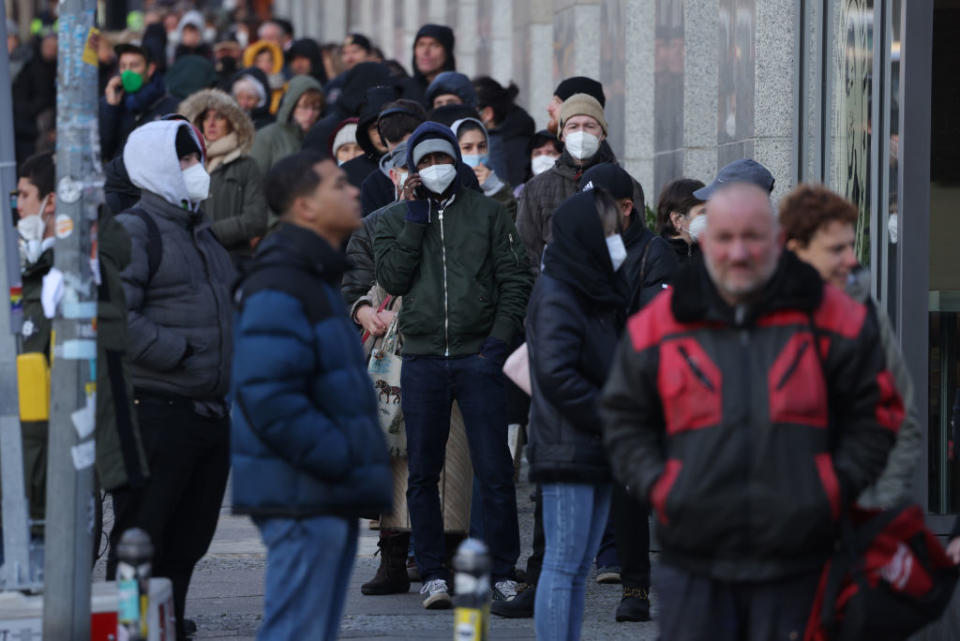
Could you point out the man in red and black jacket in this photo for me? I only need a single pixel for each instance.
(749, 405)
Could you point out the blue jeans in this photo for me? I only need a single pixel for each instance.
(430, 385)
(308, 572)
(574, 518)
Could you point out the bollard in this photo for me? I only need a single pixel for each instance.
(471, 618)
(134, 556)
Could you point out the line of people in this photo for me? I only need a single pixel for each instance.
(712, 371)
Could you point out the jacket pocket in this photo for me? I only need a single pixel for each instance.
(829, 481)
(691, 386)
(797, 391)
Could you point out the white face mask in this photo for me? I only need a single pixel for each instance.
(697, 226)
(197, 181)
(210, 34)
(243, 38)
(542, 163)
(437, 178)
(31, 229)
(581, 145)
(617, 250)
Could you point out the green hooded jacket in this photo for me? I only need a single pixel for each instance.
(284, 137)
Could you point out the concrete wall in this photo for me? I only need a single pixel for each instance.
(690, 85)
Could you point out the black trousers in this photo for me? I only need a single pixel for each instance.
(631, 530)
(189, 458)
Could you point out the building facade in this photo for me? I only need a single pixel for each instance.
(856, 94)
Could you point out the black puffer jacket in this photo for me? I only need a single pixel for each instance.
(574, 318)
(749, 428)
(649, 267)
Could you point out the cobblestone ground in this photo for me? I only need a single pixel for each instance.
(226, 596)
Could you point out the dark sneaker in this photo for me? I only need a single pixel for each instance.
(189, 628)
(436, 595)
(635, 605)
(520, 606)
(608, 575)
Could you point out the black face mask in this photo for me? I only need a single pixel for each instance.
(227, 66)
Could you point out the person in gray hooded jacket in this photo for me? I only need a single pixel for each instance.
(180, 320)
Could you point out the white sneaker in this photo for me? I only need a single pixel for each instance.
(437, 595)
(505, 590)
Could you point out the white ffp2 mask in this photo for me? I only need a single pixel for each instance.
(697, 226)
(581, 145)
(541, 164)
(617, 250)
(197, 181)
(437, 178)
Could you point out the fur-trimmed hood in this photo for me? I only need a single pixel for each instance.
(195, 106)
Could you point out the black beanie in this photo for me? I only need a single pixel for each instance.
(186, 144)
(581, 84)
(442, 33)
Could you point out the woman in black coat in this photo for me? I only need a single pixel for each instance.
(574, 320)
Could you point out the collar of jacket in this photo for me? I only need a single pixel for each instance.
(303, 248)
(156, 204)
(794, 285)
(637, 230)
(569, 168)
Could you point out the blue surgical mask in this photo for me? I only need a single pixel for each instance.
(472, 160)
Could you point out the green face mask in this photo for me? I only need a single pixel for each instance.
(131, 81)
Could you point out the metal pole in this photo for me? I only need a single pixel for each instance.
(70, 500)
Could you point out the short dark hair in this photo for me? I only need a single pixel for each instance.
(491, 93)
(403, 118)
(291, 178)
(41, 170)
(676, 196)
(809, 207)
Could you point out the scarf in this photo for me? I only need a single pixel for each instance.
(222, 151)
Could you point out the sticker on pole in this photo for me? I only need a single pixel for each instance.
(91, 47)
(83, 455)
(68, 190)
(64, 226)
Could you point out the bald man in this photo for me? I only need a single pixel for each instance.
(749, 405)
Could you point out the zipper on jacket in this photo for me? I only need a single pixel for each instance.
(446, 309)
(793, 365)
(216, 302)
(740, 314)
(513, 248)
(696, 370)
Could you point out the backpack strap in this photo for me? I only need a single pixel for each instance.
(154, 241)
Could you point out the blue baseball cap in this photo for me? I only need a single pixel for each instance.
(745, 170)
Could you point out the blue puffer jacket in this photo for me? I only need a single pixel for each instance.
(306, 438)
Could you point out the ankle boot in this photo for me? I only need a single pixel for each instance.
(391, 577)
(635, 605)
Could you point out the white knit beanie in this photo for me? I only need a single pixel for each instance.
(347, 133)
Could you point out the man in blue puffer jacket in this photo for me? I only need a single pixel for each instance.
(308, 454)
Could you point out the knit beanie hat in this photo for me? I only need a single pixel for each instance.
(582, 104)
(581, 84)
(442, 33)
(429, 144)
(346, 134)
(186, 143)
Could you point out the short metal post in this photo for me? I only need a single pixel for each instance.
(135, 558)
(471, 618)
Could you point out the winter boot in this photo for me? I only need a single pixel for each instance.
(635, 605)
(391, 577)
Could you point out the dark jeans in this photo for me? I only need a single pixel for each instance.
(631, 528)
(695, 608)
(188, 457)
(535, 560)
(430, 385)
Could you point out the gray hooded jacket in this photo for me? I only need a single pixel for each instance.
(180, 320)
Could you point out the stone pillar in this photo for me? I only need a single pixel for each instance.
(362, 18)
(330, 25)
(701, 25)
(639, 92)
(466, 30)
(577, 37)
(775, 76)
(501, 41)
(410, 25)
(538, 43)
